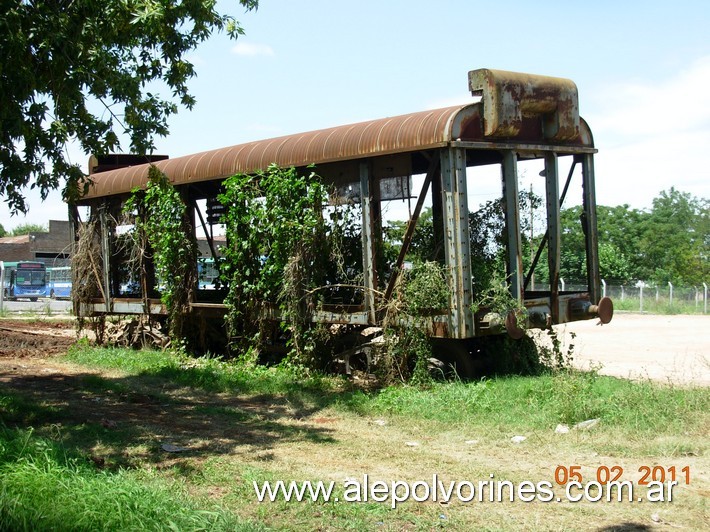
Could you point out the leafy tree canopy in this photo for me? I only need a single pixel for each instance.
(62, 59)
(2, 231)
(26, 229)
(669, 242)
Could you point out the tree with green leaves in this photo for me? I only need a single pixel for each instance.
(669, 242)
(86, 70)
(2, 231)
(26, 229)
(676, 238)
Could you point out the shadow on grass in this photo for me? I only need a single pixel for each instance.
(123, 421)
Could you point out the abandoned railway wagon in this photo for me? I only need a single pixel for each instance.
(424, 160)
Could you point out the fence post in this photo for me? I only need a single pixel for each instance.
(603, 288)
(622, 292)
(697, 297)
(705, 298)
(671, 293)
(641, 296)
(656, 293)
(562, 282)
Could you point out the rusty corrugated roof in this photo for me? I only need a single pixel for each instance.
(420, 130)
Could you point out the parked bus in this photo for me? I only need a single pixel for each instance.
(207, 274)
(59, 282)
(26, 280)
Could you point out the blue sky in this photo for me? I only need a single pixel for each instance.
(642, 69)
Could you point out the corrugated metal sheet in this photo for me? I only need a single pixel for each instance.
(409, 132)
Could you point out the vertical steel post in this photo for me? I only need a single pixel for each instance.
(671, 293)
(603, 288)
(512, 224)
(369, 250)
(641, 297)
(106, 254)
(552, 196)
(457, 244)
(705, 298)
(589, 207)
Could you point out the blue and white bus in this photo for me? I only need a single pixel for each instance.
(59, 282)
(207, 274)
(25, 280)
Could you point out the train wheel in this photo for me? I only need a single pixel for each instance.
(33, 299)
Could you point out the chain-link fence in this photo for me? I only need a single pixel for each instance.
(646, 297)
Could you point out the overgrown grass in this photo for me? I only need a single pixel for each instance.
(42, 486)
(47, 484)
(541, 402)
(206, 373)
(663, 306)
(517, 403)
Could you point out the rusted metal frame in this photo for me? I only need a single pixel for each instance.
(457, 245)
(74, 237)
(589, 202)
(554, 239)
(522, 147)
(437, 212)
(538, 253)
(411, 226)
(369, 194)
(210, 240)
(105, 253)
(512, 224)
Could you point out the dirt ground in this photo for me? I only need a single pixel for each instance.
(35, 339)
(662, 348)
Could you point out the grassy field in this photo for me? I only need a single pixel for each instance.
(84, 437)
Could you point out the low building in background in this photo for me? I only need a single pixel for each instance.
(52, 247)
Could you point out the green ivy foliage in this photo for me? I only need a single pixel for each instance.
(276, 254)
(161, 215)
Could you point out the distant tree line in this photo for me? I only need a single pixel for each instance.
(23, 229)
(668, 242)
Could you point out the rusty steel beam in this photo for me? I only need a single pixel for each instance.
(370, 203)
(411, 226)
(589, 221)
(554, 238)
(106, 254)
(512, 224)
(457, 243)
(538, 253)
(208, 235)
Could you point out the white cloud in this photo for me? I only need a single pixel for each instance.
(653, 136)
(677, 104)
(252, 49)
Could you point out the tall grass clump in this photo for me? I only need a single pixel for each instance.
(541, 402)
(43, 487)
(211, 374)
